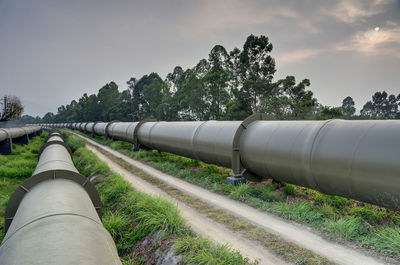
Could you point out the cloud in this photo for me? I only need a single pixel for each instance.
(385, 42)
(215, 18)
(297, 55)
(358, 10)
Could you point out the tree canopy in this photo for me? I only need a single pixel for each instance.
(382, 106)
(10, 108)
(348, 108)
(227, 85)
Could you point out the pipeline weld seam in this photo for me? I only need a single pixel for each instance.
(215, 148)
(268, 140)
(194, 139)
(292, 151)
(351, 185)
(150, 138)
(52, 161)
(317, 134)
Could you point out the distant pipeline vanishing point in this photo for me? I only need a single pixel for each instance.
(358, 159)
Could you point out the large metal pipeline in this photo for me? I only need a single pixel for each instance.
(208, 141)
(53, 217)
(21, 135)
(123, 131)
(100, 128)
(354, 159)
(89, 127)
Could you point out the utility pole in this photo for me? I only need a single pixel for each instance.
(2, 114)
(5, 105)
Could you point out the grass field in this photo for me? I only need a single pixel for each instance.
(343, 219)
(134, 218)
(15, 168)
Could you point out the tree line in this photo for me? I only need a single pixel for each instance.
(225, 86)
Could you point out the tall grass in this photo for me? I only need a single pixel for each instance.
(349, 228)
(131, 216)
(385, 240)
(22, 161)
(201, 251)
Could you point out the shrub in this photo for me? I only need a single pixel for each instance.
(201, 251)
(74, 142)
(373, 216)
(349, 228)
(241, 192)
(335, 201)
(386, 240)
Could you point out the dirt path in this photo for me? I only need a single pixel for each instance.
(289, 231)
(198, 223)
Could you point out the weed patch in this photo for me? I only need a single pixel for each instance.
(201, 251)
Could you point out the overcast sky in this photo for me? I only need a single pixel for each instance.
(54, 51)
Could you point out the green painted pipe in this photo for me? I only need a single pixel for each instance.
(355, 159)
(53, 217)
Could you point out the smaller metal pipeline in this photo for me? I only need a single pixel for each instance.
(20, 135)
(53, 217)
(15, 132)
(3, 135)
